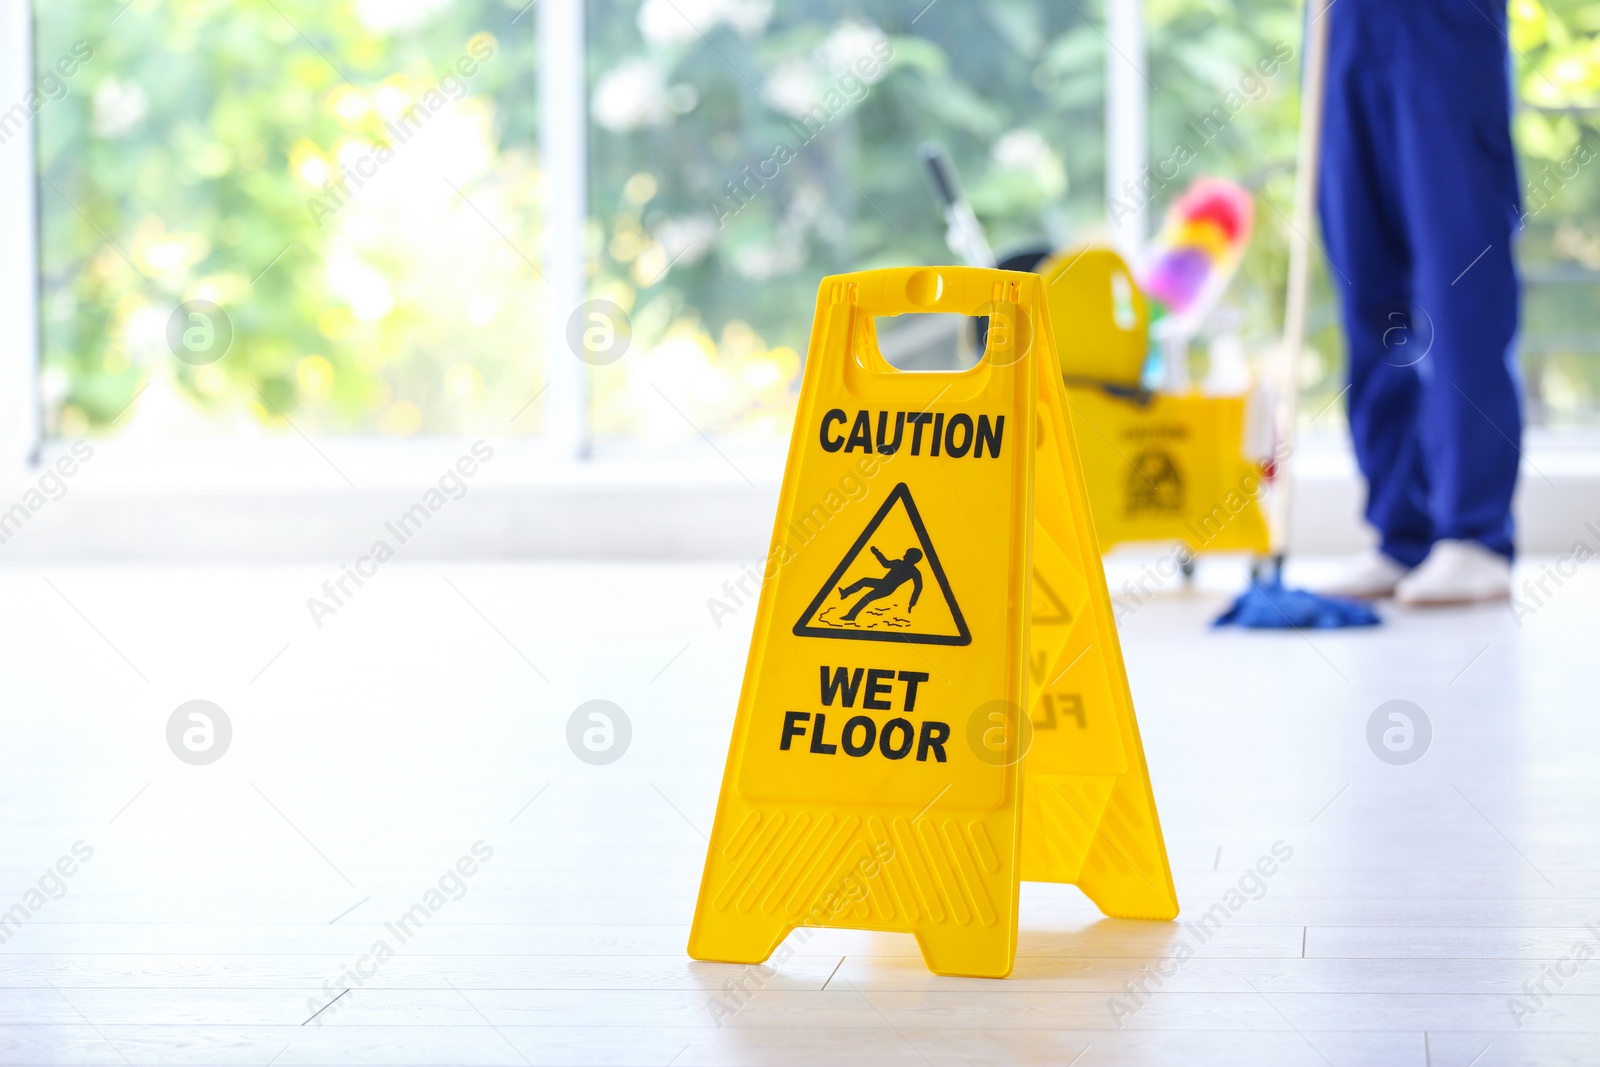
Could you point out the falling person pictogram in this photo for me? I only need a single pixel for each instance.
(899, 572)
(883, 611)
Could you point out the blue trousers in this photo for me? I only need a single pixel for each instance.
(1419, 200)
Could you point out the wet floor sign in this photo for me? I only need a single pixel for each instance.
(934, 706)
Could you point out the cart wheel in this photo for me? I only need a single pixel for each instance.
(1266, 569)
(1186, 565)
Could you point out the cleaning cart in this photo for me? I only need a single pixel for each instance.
(1164, 465)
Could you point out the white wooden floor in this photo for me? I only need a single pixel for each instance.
(222, 904)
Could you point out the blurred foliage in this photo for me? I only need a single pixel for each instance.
(1556, 52)
(185, 162)
(182, 158)
(813, 111)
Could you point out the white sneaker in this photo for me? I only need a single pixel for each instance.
(1457, 572)
(1366, 577)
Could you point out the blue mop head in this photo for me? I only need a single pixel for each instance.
(1269, 605)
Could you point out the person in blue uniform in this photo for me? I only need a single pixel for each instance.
(1419, 203)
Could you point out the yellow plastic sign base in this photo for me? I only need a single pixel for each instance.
(934, 618)
(1170, 470)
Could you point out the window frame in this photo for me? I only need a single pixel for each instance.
(20, 423)
(562, 102)
(562, 87)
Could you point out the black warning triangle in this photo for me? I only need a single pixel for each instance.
(870, 599)
(1048, 609)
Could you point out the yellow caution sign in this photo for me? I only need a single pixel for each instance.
(1089, 814)
(932, 544)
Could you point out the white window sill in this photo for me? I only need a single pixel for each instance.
(278, 498)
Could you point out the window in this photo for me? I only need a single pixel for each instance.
(354, 185)
(358, 186)
(742, 150)
(1558, 87)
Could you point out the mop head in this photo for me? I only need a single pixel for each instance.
(1269, 605)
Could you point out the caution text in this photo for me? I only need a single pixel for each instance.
(921, 433)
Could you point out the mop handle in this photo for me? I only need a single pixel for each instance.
(965, 232)
(1308, 157)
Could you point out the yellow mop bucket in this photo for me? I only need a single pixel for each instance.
(1170, 470)
(1104, 319)
(1159, 467)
